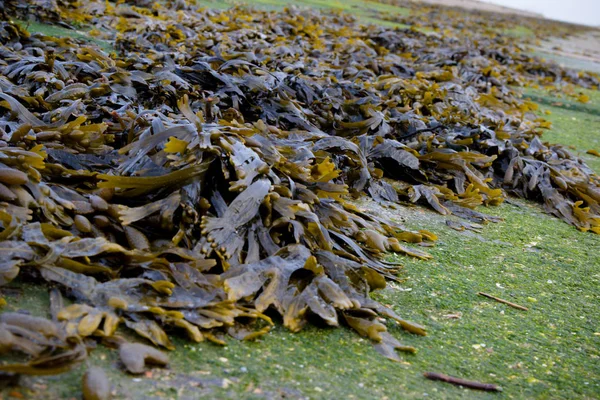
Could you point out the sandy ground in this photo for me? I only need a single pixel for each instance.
(479, 5)
(584, 47)
(579, 51)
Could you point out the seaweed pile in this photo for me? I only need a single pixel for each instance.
(199, 178)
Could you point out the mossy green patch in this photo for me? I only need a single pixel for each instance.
(368, 12)
(352, 6)
(57, 31)
(382, 22)
(213, 4)
(574, 124)
(519, 31)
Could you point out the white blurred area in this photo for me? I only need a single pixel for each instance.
(586, 12)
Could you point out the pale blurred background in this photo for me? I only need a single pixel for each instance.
(585, 12)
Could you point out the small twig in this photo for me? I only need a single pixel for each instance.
(435, 376)
(498, 299)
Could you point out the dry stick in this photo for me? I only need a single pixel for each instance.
(498, 299)
(435, 376)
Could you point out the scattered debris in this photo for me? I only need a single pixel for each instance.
(457, 315)
(435, 376)
(498, 299)
(135, 356)
(593, 152)
(462, 225)
(96, 385)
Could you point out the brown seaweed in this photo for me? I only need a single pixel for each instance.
(96, 385)
(200, 178)
(136, 355)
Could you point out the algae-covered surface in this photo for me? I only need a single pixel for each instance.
(368, 12)
(530, 258)
(57, 31)
(574, 123)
